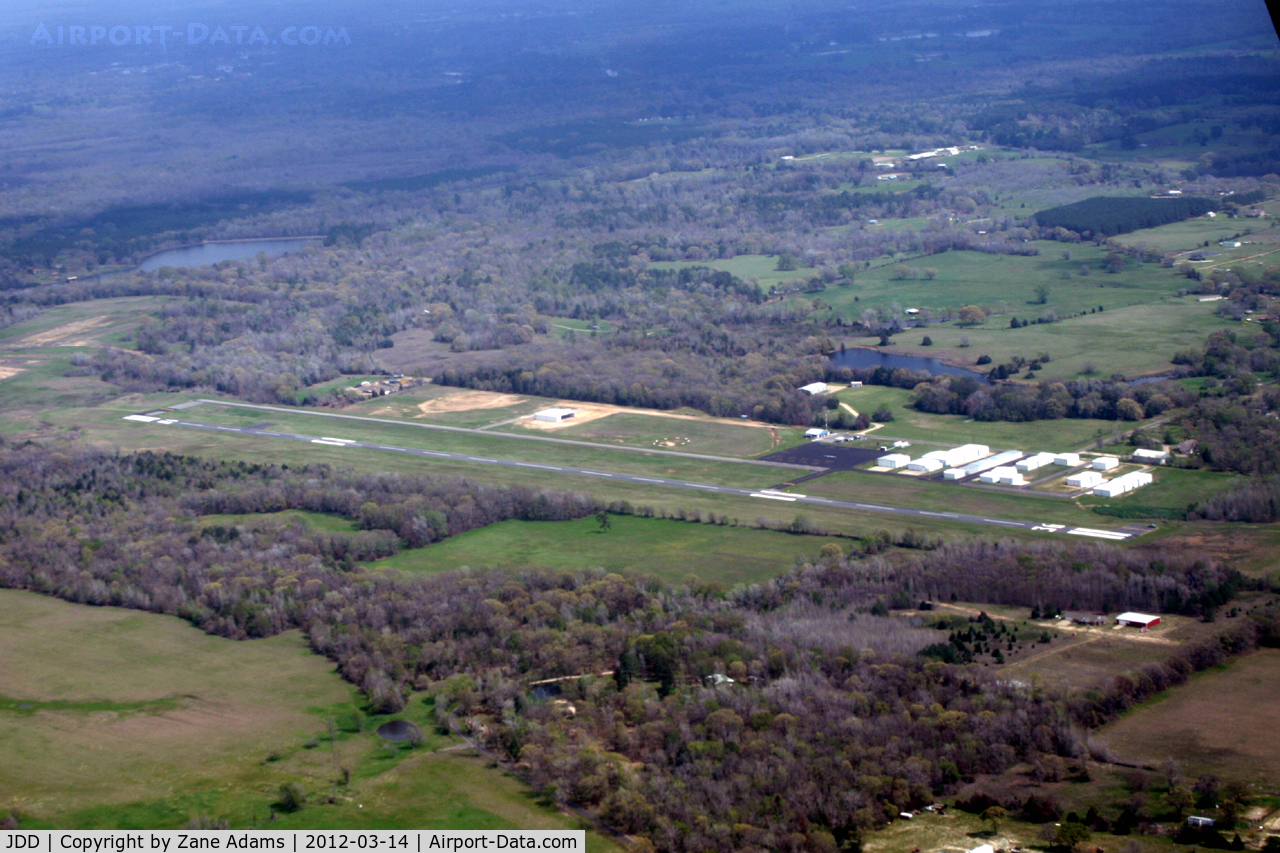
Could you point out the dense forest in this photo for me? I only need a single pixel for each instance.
(832, 723)
(1107, 216)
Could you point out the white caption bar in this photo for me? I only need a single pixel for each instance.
(290, 841)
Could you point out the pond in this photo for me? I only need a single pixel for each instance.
(864, 358)
(228, 250)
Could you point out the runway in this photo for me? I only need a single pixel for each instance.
(772, 495)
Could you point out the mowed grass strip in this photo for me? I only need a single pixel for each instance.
(1223, 721)
(670, 550)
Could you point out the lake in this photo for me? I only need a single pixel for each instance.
(859, 357)
(230, 250)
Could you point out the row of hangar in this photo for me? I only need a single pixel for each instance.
(1008, 467)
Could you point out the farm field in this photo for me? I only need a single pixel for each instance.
(1234, 737)
(670, 550)
(124, 719)
(1057, 436)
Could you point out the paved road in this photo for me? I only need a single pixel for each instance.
(761, 494)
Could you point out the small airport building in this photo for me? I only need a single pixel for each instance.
(553, 416)
(1031, 463)
(1084, 480)
(816, 432)
(893, 460)
(1153, 457)
(1105, 463)
(1070, 460)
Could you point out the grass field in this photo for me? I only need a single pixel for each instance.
(688, 436)
(316, 520)
(442, 404)
(1193, 233)
(1057, 436)
(1223, 721)
(118, 719)
(761, 268)
(670, 550)
(953, 497)
(1006, 283)
(1134, 341)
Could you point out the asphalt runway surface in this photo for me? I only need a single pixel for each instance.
(760, 494)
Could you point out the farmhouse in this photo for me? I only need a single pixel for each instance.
(554, 415)
(1105, 463)
(893, 460)
(1085, 618)
(1155, 457)
(814, 388)
(1196, 820)
(1137, 620)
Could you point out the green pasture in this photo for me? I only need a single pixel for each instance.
(120, 719)
(1006, 284)
(762, 268)
(324, 521)
(563, 326)
(670, 550)
(1052, 436)
(683, 434)
(1191, 234)
(1133, 341)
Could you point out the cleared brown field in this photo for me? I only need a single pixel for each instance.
(1089, 661)
(1223, 721)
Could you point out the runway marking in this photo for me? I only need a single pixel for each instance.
(543, 467)
(773, 497)
(647, 480)
(328, 442)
